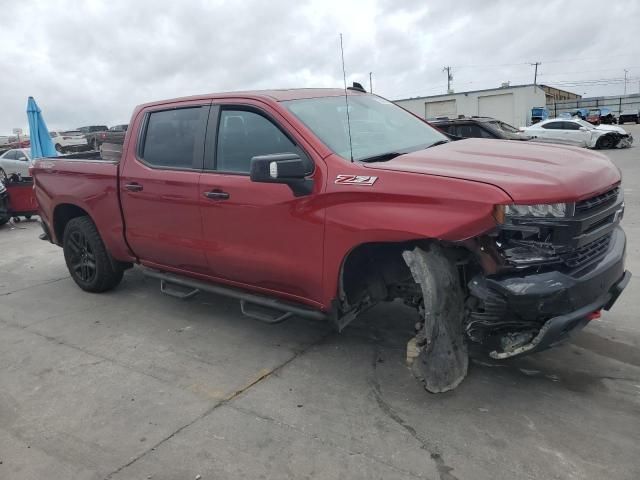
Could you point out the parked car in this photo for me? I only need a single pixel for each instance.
(92, 134)
(478, 127)
(597, 116)
(629, 116)
(580, 133)
(68, 141)
(16, 160)
(267, 198)
(112, 141)
(538, 114)
(5, 213)
(580, 113)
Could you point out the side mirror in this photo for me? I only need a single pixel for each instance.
(287, 168)
(22, 159)
(583, 128)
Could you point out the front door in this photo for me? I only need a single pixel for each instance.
(259, 234)
(159, 188)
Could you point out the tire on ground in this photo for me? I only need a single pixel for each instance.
(107, 274)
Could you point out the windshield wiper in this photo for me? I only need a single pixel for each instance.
(383, 157)
(439, 142)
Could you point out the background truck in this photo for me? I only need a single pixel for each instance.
(94, 135)
(280, 199)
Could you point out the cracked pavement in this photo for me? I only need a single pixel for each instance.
(136, 385)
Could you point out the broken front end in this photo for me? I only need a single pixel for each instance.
(546, 271)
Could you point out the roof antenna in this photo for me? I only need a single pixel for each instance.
(346, 99)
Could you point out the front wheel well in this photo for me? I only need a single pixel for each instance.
(375, 272)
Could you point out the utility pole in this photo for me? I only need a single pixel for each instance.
(535, 73)
(449, 77)
(370, 82)
(625, 80)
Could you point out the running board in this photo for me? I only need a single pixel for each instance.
(259, 307)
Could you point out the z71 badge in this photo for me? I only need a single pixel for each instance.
(355, 180)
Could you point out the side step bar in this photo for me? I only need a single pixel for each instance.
(280, 310)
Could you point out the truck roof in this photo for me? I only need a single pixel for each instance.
(277, 95)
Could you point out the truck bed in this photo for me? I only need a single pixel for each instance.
(84, 180)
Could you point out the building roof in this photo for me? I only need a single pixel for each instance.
(483, 90)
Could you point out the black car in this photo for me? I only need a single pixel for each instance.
(478, 127)
(629, 116)
(4, 204)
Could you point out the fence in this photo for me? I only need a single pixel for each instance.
(615, 104)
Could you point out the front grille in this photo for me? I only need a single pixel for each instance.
(587, 253)
(598, 201)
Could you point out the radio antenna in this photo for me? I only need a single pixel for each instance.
(346, 98)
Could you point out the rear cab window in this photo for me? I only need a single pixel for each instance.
(174, 139)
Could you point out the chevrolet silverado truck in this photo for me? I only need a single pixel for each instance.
(321, 203)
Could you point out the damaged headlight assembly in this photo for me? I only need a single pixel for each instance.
(525, 238)
(504, 213)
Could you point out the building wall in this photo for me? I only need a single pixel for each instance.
(523, 99)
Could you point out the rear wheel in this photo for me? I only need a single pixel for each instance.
(3, 174)
(87, 258)
(58, 148)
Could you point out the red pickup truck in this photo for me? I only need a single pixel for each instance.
(321, 203)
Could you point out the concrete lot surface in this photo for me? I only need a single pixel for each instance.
(136, 385)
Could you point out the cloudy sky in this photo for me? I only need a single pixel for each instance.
(91, 62)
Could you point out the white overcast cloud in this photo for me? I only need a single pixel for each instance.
(91, 62)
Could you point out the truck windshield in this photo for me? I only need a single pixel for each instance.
(378, 127)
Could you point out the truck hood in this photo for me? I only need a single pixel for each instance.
(527, 172)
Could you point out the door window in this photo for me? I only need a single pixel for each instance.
(243, 134)
(11, 155)
(553, 125)
(570, 126)
(472, 131)
(173, 138)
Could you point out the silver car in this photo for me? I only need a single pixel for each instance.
(16, 160)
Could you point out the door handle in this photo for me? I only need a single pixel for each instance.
(216, 195)
(134, 187)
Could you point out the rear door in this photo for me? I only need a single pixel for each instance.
(259, 234)
(159, 187)
(553, 130)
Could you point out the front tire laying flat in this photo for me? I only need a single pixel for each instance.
(441, 356)
(87, 258)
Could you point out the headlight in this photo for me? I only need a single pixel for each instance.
(542, 210)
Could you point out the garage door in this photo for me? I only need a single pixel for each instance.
(444, 108)
(497, 106)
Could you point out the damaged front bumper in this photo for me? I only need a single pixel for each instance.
(526, 313)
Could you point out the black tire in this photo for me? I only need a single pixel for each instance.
(59, 148)
(4, 220)
(87, 258)
(605, 142)
(28, 217)
(3, 174)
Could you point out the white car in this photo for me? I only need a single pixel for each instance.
(575, 131)
(16, 160)
(65, 141)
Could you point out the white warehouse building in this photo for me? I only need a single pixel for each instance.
(511, 104)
